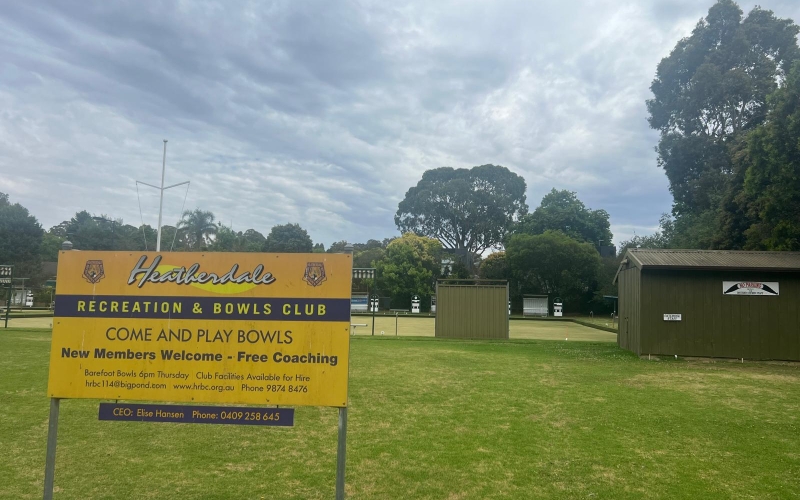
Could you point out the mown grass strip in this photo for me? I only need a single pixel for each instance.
(439, 419)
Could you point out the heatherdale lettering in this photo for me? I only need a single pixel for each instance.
(183, 276)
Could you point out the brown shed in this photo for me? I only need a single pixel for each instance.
(472, 309)
(712, 303)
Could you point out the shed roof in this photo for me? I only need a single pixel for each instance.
(714, 259)
(741, 260)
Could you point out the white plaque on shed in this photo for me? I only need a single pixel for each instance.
(750, 288)
(672, 317)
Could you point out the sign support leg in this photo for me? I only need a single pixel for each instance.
(341, 454)
(50, 460)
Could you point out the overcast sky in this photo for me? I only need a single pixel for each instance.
(325, 112)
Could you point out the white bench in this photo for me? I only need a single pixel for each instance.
(353, 327)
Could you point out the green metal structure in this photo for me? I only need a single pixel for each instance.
(699, 303)
(472, 309)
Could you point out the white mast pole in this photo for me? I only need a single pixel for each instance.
(161, 201)
(161, 193)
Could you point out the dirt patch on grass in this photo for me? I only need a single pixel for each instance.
(714, 381)
(775, 377)
(604, 474)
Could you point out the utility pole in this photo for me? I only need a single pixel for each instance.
(161, 197)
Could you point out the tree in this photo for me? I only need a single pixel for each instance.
(770, 163)
(136, 238)
(410, 267)
(555, 264)
(495, 267)
(198, 226)
(288, 238)
(99, 232)
(605, 287)
(457, 271)
(228, 240)
(172, 239)
(88, 232)
(51, 245)
(470, 209)
(707, 93)
(368, 257)
(252, 241)
(225, 240)
(337, 247)
(662, 238)
(318, 248)
(563, 211)
(20, 239)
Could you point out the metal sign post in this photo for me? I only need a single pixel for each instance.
(341, 453)
(50, 458)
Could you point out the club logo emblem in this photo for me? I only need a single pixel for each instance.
(315, 273)
(93, 272)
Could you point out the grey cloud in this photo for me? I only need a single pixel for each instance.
(325, 113)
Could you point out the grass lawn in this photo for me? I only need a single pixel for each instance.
(519, 329)
(46, 322)
(439, 419)
(424, 327)
(600, 320)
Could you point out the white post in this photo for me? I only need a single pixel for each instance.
(161, 201)
(161, 195)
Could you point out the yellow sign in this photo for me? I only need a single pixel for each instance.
(202, 327)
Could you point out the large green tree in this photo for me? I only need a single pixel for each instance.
(770, 167)
(99, 232)
(228, 240)
(20, 239)
(51, 245)
(470, 209)
(495, 267)
(555, 264)
(90, 232)
(225, 240)
(172, 239)
(368, 257)
(252, 241)
(563, 211)
(337, 246)
(707, 93)
(288, 238)
(410, 267)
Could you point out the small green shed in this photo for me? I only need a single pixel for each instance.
(710, 303)
(472, 309)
